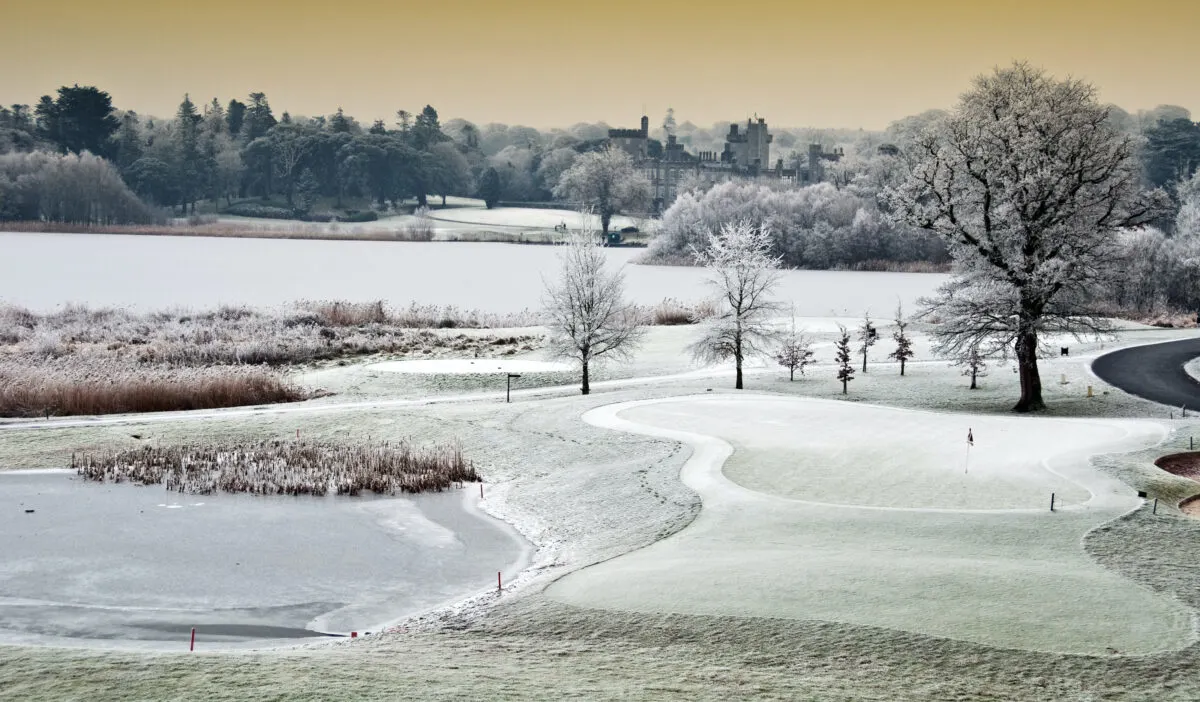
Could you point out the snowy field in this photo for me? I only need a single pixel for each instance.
(921, 576)
(467, 366)
(530, 218)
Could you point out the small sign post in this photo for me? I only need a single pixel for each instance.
(508, 386)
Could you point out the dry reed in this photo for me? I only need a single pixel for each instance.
(35, 392)
(284, 468)
(671, 312)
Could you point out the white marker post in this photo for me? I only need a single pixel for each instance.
(970, 443)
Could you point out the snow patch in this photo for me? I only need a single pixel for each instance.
(464, 366)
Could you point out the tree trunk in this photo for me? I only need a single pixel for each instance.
(443, 201)
(791, 375)
(737, 360)
(973, 374)
(901, 366)
(605, 218)
(1031, 381)
(864, 360)
(844, 382)
(587, 388)
(422, 199)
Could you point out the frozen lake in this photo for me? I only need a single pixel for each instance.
(42, 271)
(139, 566)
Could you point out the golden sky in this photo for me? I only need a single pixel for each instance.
(838, 63)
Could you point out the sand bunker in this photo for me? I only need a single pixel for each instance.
(1185, 465)
(466, 366)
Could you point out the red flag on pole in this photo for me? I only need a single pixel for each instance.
(970, 437)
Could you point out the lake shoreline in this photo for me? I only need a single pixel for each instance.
(307, 231)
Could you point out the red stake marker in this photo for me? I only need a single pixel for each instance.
(192, 647)
(499, 586)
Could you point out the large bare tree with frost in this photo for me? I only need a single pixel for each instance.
(744, 273)
(589, 320)
(1029, 185)
(607, 182)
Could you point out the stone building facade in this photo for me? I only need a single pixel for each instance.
(747, 154)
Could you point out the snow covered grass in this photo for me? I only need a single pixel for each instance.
(283, 468)
(103, 361)
(979, 557)
(467, 366)
(302, 333)
(535, 218)
(584, 494)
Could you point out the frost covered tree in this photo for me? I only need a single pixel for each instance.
(606, 182)
(795, 352)
(842, 355)
(589, 320)
(1187, 220)
(972, 363)
(903, 350)
(1029, 184)
(867, 336)
(744, 273)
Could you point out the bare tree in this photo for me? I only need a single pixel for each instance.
(744, 273)
(1028, 183)
(903, 350)
(972, 363)
(795, 352)
(845, 367)
(867, 336)
(290, 147)
(607, 182)
(590, 321)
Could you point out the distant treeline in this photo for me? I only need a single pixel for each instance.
(241, 154)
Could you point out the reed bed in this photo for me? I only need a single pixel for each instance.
(284, 468)
(74, 388)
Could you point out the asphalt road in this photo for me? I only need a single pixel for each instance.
(1154, 372)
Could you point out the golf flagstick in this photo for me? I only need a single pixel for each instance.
(970, 443)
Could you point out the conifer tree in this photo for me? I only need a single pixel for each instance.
(844, 359)
(903, 350)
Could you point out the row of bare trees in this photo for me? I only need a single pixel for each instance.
(591, 322)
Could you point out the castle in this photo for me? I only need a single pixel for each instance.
(747, 154)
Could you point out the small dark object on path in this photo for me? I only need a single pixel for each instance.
(28, 511)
